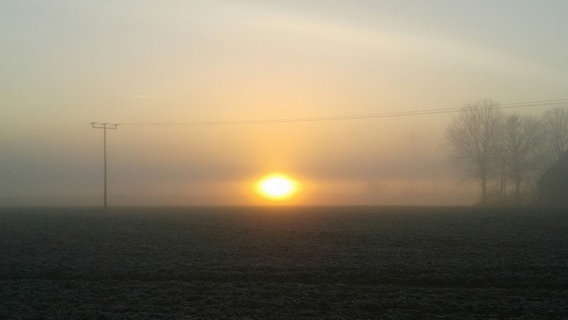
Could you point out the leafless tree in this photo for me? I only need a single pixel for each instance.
(473, 138)
(555, 126)
(521, 136)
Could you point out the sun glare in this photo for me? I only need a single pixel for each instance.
(276, 187)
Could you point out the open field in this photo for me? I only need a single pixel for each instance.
(283, 263)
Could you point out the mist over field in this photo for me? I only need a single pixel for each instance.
(300, 159)
(351, 99)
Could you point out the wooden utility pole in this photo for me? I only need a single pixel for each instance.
(104, 126)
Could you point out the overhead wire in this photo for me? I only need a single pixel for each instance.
(347, 116)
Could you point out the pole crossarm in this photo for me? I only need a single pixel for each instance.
(104, 126)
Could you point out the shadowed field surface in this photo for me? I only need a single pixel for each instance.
(282, 263)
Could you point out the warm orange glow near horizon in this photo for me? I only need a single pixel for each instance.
(277, 187)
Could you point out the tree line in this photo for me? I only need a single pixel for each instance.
(506, 153)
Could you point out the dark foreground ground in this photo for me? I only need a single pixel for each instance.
(283, 263)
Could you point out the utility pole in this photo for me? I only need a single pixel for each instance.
(104, 126)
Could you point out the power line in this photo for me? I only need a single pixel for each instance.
(515, 105)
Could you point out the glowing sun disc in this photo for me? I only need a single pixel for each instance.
(276, 187)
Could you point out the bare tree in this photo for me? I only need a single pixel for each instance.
(518, 152)
(555, 125)
(473, 138)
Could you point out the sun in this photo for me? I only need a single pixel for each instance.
(277, 187)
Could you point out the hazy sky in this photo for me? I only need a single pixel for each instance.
(64, 64)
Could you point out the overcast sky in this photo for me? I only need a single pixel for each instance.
(67, 63)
